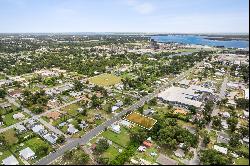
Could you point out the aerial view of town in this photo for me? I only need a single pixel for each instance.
(128, 97)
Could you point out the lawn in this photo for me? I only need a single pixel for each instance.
(8, 120)
(105, 80)
(121, 139)
(141, 120)
(72, 107)
(146, 155)
(242, 161)
(110, 153)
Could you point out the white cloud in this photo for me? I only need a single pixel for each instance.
(141, 7)
(145, 8)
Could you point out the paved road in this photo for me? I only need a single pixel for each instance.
(88, 136)
(221, 96)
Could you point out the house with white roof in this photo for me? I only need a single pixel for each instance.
(11, 160)
(18, 116)
(220, 149)
(27, 153)
(20, 128)
(37, 128)
(52, 138)
(246, 93)
(72, 129)
(226, 115)
(125, 123)
(116, 128)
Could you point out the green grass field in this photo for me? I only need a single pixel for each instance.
(105, 80)
(111, 153)
(242, 161)
(121, 139)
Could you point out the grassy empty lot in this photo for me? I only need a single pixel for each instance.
(105, 80)
(242, 161)
(111, 153)
(121, 139)
(141, 120)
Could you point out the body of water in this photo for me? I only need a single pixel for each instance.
(200, 40)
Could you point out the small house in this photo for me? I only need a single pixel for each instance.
(27, 154)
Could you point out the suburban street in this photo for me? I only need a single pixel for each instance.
(88, 136)
(37, 117)
(221, 95)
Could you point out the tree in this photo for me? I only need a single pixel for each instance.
(37, 109)
(140, 109)
(244, 131)
(127, 101)
(212, 157)
(2, 93)
(234, 140)
(78, 85)
(206, 139)
(217, 123)
(102, 146)
(153, 102)
(232, 122)
(80, 158)
(67, 155)
(42, 150)
(60, 139)
(109, 109)
(102, 160)
(242, 103)
(192, 109)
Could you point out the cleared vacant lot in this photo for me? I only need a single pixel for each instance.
(105, 80)
(141, 120)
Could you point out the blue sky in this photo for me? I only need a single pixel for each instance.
(174, 16)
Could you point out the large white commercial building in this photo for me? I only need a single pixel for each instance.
(184, 96)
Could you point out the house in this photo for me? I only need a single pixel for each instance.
(5, 105)
(116, 128)
(125, 123)
(246, 93)
(165, 160)
(98, 116)
(223, 137)
(220, 149)
(27, 153)
(148, 112)
(52, 138)
(147, 143)
(18, 116)
(37, 128)
(226, 115)
(83, 124)
(114, 108)
(246, 140)
(224, 124)
(179, 153)
(72, 129)
(142, 149)
(20, 128)
(11, 160)
(53, 115)
(246, 114)
(119, 104)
